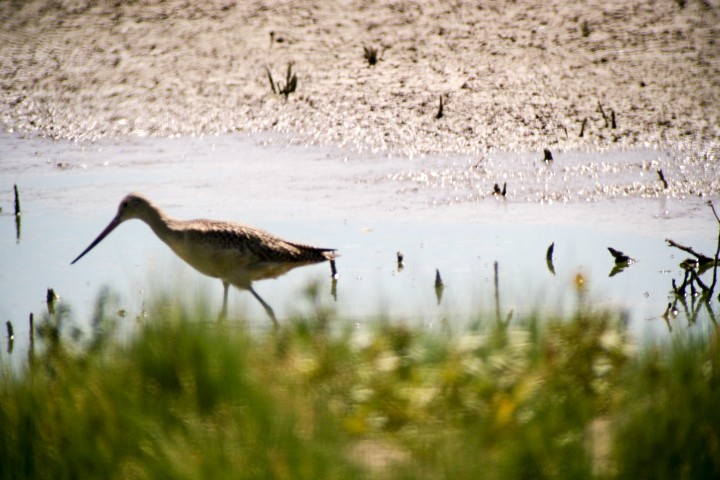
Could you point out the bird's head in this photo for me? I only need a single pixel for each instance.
(132, 206)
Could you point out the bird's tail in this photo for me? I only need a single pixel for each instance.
(308, 253)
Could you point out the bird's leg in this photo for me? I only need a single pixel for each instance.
(267, 307)
(223, 312)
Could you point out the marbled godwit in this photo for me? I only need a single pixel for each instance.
(236, 254)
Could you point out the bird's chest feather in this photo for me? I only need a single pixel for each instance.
(216, 259)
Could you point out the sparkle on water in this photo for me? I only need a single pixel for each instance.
(440, 212)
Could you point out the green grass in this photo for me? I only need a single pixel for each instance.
(188, 397)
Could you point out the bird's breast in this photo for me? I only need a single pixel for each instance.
(213, 260)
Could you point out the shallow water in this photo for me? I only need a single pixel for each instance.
(437, 210)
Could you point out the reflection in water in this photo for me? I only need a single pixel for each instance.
(439, 286)
(333, 288)
(236, 254)
(617, 268)
(334, 278)
(701, 295)
(10, 336)
(31, 350)
(17, 214)
(622, 261)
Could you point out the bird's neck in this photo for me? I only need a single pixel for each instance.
(159, 222)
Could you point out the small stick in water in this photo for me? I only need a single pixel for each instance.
(662, 178)
(18, 227)
(548, 155)
(582, 128)
(549, 253)
(32, 330)
(400, 259)
(51, 298)
(438, 280)
(703, 259)
(619, 256)
(498, 191)
(11, 337)
(333, 269)
(549, 258)
(17, 201)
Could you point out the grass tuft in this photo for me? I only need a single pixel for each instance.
(320, 397)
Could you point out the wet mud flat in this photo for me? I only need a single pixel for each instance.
(512, 76)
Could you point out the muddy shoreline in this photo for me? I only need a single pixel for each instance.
(514, 76)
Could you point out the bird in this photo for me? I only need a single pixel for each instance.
(235, 253)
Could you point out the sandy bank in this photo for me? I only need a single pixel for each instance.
(513, 75)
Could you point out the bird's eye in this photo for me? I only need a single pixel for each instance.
(124, 205)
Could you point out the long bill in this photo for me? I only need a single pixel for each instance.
(111, 226)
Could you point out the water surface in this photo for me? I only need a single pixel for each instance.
(438, 211)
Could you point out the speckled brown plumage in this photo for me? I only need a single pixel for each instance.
(250, 241)
(235, 253)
